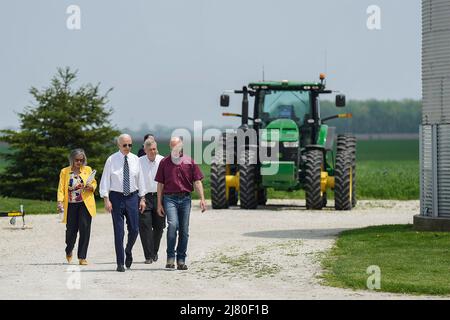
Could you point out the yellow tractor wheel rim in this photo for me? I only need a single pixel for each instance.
(326, 182)
(231, 181)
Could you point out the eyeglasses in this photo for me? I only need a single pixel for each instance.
(79, 160)
(127, 145)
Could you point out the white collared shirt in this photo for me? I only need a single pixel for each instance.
(149, 169)
(112, 177)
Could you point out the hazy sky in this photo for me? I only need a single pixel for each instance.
(168, 61)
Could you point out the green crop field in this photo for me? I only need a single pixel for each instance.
(388, 169)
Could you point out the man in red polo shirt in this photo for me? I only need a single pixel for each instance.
(177, 176)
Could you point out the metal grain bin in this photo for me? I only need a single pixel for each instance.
(426, 171)
(435, 128)
(443, 169)
(436, 61)
(435, 170)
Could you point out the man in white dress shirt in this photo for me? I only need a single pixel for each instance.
(151, 224)
(123, 189)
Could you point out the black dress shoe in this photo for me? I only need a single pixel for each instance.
(120, 268)
(128, 261)
(155, 257)
(170, 266)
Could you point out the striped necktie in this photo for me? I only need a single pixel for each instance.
(126, 178)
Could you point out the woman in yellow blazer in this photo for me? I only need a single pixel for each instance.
(76, 200)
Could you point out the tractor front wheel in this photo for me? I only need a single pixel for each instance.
(233, 197)
(218, 181)
(262, 197)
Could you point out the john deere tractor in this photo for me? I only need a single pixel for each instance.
(288, 129)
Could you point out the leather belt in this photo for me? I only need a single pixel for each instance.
(178, 194)
(131, 194)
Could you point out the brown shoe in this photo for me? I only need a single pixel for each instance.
(170, 264)
(182, 266)
(69, 257)
(83, 262)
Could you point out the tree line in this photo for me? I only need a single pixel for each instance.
(377, 117)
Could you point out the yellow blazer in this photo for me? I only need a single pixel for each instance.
(88, 196)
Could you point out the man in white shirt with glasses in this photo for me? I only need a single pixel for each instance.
(123, 189)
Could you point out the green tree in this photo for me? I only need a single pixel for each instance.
(62, 119)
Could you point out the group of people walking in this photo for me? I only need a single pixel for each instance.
(142, 191)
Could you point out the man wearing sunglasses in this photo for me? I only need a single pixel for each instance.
(123, 189)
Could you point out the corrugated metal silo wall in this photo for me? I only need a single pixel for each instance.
(426, 171)
(435, 130)
(436, 61)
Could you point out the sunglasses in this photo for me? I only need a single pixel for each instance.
(79, 160)
(127, 145)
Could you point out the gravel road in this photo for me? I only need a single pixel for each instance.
(269, 253)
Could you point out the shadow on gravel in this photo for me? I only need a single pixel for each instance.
(17, 228)
(128, 270)
(51, 264)
(134, 263)
(283, 207)
(297, 234)
(275, 207)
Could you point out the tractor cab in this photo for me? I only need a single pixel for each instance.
(287, 107)
(274, 105)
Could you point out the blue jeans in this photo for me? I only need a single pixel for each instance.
(178, 210)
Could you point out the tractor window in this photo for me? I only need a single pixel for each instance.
(284, 105)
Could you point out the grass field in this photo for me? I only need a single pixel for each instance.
(30, 206)
(34, 206)
(409, 261)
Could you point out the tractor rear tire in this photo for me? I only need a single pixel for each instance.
(218, 181)
(262, 197)
(341, 143)
(348, 143)
(314, 197)
(233, 197)
(342, 171)
(351, 142)
(248, 170)
(324, 200)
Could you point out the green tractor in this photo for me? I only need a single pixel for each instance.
(286, 133)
